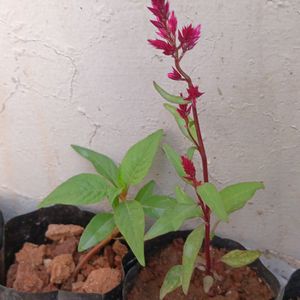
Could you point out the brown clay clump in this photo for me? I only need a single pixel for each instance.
(58, 232)
(31, 254)
(102, 280)
(61, 268)
(49, 267)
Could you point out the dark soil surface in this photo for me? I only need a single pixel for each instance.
(230, 284)
(49, 267)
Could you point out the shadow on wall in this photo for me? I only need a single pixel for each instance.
(13, 204)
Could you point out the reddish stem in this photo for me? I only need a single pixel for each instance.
(201, 149)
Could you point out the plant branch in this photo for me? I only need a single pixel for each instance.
(94, 251)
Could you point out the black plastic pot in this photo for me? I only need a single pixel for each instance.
(154, 246)
(292, 290)
(31, 228)
(1, 246)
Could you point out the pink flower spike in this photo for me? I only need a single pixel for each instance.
(167, 8)
(172, 23)
(157, 24)
(188, 167)
(189, 37)
(162, 45)
(163, 33)
(175, 75)
(194, 93)
(155, 12)
(182, 113)
(163, 7)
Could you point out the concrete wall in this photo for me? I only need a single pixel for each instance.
(75, 71)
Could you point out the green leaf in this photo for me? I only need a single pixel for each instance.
(192, 128)
(102, 163)
(183, 197)
(113, 194)
(82, 189)
(190, 152)
(212, 198)
(240, 258)
(180, 122)
(99, 228)
(138, 160)
(171, 282)
(129, 218)
(191, 249)
(155, 205)
(236, 196)
(172, 219)
(174, 159)
(146, 191)
(169, 97)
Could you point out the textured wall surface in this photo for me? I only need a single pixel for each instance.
(80, 72)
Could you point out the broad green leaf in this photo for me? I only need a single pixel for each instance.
(146, 191)
(190, 152)
(191, 249)
(183, 197)
(236, 196)
(99, 228)
(102, 163)
(212, 198)
(138, 160)
(172, 219)
(171, 282)
(113, 193)
(240, 258)
(130, 219)
(155, 205)
(169, 97)
(82, 189)
(174, 159)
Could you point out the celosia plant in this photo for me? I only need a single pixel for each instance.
(112, 182)
(176, 43)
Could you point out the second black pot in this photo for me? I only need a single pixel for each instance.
(292, 290)
(154, 246)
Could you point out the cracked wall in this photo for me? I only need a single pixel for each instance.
(80, 72)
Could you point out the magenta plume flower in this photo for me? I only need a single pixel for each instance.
(167, 48)
(189, 37)
(175, 75)
(194, 93)
(161, 9)
(172, 23)
(184, 111)
(166, 25)
(189, 168)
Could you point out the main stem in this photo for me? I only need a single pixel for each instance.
(202, 152)
(201, 149)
